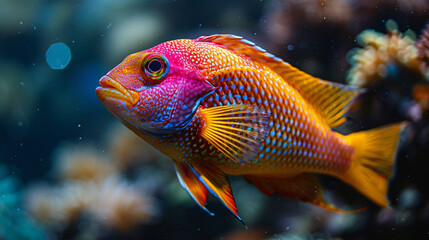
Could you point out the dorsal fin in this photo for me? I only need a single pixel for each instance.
(330, 100)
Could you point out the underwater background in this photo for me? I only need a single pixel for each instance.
(70, 170)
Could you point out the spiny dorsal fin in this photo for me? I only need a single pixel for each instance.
(330, 100)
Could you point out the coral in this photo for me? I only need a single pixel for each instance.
(82, 163)
(371, 62)
(92, 187)
(112, 202)
(59, 205)
(14, 222)
(122, 206)
(422, 46)
(421, 96)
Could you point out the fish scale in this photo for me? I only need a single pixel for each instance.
(282, 151)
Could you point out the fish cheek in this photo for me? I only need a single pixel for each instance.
(191, 93)
(156, 104)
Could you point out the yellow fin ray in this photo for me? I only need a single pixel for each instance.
(372, 161)
(236, 130)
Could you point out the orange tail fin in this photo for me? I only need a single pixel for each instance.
(372, 162)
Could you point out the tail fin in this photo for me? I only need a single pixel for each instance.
(372, 161)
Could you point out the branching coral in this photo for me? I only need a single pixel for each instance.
(59, 205)
(82, 163)
(92, 187)
(122, 206)
(379, 51)
(112, 202)
(423, 49)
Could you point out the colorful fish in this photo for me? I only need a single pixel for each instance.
(220, 105)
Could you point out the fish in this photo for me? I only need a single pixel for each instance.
(220, 105)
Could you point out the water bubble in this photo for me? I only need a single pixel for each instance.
(110, 24)
(79, 125)
(21, 83)
(80, 138)
(58, 56)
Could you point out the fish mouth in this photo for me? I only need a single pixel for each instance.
(112, 89)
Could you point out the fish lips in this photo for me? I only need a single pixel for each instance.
(112, 90)
(121, 101)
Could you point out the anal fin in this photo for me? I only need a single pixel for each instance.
(218, 184)
(304, 187)
(192, 184)
(199, 180)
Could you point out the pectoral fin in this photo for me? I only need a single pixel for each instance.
(304, 187)
(236, 130)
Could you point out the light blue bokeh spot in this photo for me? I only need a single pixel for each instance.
(58, 56)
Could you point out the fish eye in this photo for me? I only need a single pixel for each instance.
(155, 66)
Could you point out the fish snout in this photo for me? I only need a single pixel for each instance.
(111, 88)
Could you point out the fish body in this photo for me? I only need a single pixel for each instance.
(220, 105)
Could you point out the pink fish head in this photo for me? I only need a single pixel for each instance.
(157, 90)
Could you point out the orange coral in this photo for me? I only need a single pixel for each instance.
(370, 62)
(58, 205)
(83, 163)
(422, 46)
(121, 206)
(112, 202)
(91, 185)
